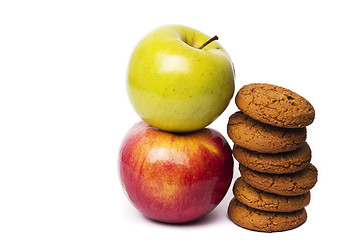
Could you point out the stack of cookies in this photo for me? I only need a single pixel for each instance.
(269, 134)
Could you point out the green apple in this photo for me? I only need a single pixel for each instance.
(179, 79)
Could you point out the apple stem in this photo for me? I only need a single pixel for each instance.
(209, 41)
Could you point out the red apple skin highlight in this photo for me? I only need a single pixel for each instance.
(175, 178)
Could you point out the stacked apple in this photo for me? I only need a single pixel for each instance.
(172, 168)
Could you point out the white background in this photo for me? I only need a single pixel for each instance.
(64, 109)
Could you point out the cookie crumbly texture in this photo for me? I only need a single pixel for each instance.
(275, 105)
(263, 221)
(291, 184)
(260, 137)
(287, 162)
(265, 201)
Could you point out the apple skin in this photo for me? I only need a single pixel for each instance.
(173, 85)
(175, 178)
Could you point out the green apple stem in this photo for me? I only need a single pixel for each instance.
(209, 41)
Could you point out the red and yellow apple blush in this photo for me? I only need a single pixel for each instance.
(175, 177)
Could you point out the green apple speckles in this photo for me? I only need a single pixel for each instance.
(175, 86)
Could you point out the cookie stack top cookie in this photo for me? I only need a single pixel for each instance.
(275, 105)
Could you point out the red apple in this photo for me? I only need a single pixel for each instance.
(175, 177)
